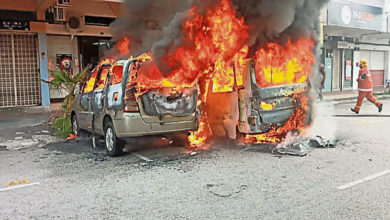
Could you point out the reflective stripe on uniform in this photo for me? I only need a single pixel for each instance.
(365, 90)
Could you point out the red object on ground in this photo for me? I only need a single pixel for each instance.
(71, 137)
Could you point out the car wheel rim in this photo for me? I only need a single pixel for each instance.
(74, 126)
(109, 139)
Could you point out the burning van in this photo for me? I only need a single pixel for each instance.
(268, 96)
(111, 105)
(267, 109)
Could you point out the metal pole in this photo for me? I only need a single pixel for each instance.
(14, 68)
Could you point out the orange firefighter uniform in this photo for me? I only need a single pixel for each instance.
(365, 88)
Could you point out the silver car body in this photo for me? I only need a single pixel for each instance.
(154, 112)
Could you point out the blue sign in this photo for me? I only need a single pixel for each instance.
(345, 13)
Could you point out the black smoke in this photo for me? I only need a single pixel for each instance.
(156, 25)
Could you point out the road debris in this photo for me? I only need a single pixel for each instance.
(142, 157)
(17, 182)
(71, 137)
(300, 146)
(3, 147)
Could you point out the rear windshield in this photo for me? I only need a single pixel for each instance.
(278, 76)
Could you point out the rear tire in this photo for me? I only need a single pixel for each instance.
(114, 146)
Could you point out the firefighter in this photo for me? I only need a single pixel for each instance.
(365, 88)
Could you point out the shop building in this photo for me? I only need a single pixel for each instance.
(354, 30)
(38, 35)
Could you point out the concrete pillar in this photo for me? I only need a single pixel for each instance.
(44, 72)
(356, 59)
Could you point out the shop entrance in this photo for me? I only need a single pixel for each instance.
(92, 49)
(19, 70)
(348, 69)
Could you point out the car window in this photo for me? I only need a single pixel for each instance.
(117, 74)
(89, 84)
(102, 79)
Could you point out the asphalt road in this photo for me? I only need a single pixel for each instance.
(158, 181)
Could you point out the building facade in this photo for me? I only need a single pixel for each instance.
(354, 30)
(41, 35)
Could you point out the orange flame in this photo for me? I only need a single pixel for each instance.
(278, 65)
(214, 49)
(297, 122)
(124, 46)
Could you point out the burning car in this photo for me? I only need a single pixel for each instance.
(110, 105)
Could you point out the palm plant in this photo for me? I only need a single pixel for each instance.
(70, 83)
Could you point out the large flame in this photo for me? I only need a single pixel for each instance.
(279, 65)
(124, 46)
(212, 53)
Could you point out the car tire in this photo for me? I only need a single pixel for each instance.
(75, 125)
(114, 146)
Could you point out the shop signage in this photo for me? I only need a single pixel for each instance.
(345, 45)
(64, 62)
(15, 25)
(348, 69)
(346, 13)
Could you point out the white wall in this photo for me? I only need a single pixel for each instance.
(57, 44)
(356, 58)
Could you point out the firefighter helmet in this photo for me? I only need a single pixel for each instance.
(363, 62)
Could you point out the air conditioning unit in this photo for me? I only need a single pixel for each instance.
(74, 22)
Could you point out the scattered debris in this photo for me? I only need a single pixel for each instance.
(193, 153)
(100, 159)
(71, 137)
(295, 149)
(18, 138)
(320, 142)
(17, 182)
(45, 132)
(302, 146)
(143, 157)
(20, 133)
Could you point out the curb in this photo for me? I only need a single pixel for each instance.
(352, 99)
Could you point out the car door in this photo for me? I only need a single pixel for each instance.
(97, 98)
(84, 116)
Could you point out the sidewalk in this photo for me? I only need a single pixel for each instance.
(347, 96)
(19, 117)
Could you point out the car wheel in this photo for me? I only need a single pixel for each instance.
(114, 146)
(75, 126)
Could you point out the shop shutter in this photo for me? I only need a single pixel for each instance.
(336, 70)
(19, 70)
